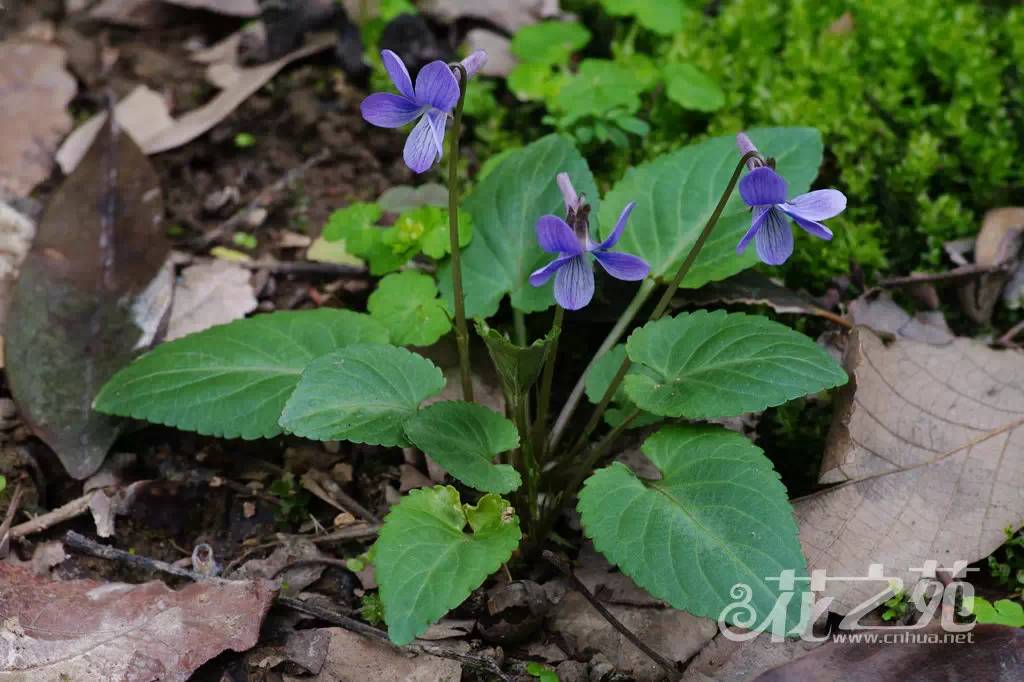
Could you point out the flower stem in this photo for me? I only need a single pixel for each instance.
(544, 399)
(663, 303)
(642, 294)
(461, 329)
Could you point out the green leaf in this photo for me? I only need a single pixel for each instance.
(364, 394)
(549, 42)
(691, 88)
(356, 225)
(1003, 612)
(464, 438)
(707, 365)
(518, 367)
(406, 303)
(436, 241)
(405, 198)
(677, 193)
(541, 672)
(717, 517)
(531, 81)
(600, 376)
(505, 207)
(599, 87)
(425, 562)
(665, 17)
(323, 251)
(233, 380)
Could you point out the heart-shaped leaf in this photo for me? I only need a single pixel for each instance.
(407, 304)
(718, 517)
(707, 365)
(233, 380)
(505, 207)
(464, 438)
(677, 193)
(363, 393)
(425, 562)
(600, 376)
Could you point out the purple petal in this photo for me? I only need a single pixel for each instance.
(569, 196)
(539, 278)
(389, 111)
(811, 226)
(437, 86)
(819, 205)
(574, 283)
(399, 74)
(774, 240)
(755, 225)
(437, 121)
(762, 187)
(474, 62)
(421, 147)
(746, 146)
(555, 236)
(624, 266)
(620, 225)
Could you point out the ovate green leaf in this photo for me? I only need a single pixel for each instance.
(233, 380)
(717, 517)
(362, 393)
(427, 564)
(691, 88)
(549, 42)
(677, 193)
(464, 438)
(707, 365)
(505, 207)
(407, 304)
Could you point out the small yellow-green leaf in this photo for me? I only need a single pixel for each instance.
(407, 304)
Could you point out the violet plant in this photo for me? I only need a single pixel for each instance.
(715, 516)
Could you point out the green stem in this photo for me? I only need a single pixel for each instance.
(544, 400)
(626, 319)
(527, 461)
(519, 326)
(461, 328)
(663, 304)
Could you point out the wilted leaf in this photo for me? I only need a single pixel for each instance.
(928, 446)
(87, 630)
(35, 89)
(209, 294)
(94, 291)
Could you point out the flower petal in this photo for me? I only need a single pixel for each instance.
(746, 146)
(574, 283)
(819, 205)
(389, 111)
(399, 74)
(420, 151)
(437, 86)
(755, 224)
(774, 240)
(620, 225)
(569, 196)
(811, 226)
(474, 62)
(624, 266)
(555, 236)
(539, 278)
(763, 186)
(437, 121)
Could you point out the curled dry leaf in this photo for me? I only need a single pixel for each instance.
(209, 294)
(35, 89)
(93, 293)
(87, 630)
(998, 244)
(16, 234)
(928, 449)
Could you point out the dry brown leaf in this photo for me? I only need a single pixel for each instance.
(506, 15)
(35, 89)
(209, 294)
(354, 658)
(93, 293)
(928, 448)
(998, 244)
(87, 630)
(883, 314)
(142, 114)
(235, 8)
(725, 660)
(135, 13)
(16, 234)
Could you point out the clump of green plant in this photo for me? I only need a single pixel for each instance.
(896, 607)
(372, 609)
(540, 227)
(1007, 563)
(293, 501)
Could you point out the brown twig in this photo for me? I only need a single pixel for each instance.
(357, 531)
(299, 563)
(304, 267)
(264, 198)
(964, 272)
(66, 512)
(1007, 339)
(337, 498)
(5, 527)
(577, 584)
(84, 545)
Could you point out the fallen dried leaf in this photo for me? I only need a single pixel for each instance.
(209, 294)
(235, 8)
(508, 16)
(16, 234)
(928, 446)
(353, 658)
(135, 13)
(94, 292)
(295, 579)
(998, 244)
(725, 660)
(883, 314)
(87, 630)
(35, 89)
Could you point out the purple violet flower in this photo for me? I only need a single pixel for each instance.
(765, 191)
(431, 101)
(570, 239)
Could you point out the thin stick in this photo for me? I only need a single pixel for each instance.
(5, 527)
(72, 509)
(338, 499)
(300, 563)
(963, 272)
(84, 545)
(461, 329)
(357, 531)
(664, 663)
(1007, 339)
